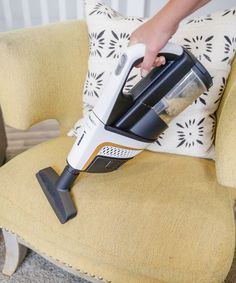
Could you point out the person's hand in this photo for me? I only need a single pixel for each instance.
(155, 33)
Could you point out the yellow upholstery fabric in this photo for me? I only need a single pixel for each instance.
(42, 74)
(226, 134)
(3, 142)
(159, 218)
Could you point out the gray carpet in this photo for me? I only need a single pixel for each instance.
(36, 269)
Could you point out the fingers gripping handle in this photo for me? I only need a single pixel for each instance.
(135, 53)
(171, 50)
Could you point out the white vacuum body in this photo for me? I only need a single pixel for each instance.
(122, 125)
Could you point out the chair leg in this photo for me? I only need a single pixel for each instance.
(15, 253)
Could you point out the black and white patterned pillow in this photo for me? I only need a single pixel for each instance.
(212, 39)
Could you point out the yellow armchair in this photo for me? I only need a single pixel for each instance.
(3, 141)
(160, 218)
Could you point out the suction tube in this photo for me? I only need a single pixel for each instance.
(67, 178)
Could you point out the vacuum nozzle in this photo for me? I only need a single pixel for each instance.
(57, 190)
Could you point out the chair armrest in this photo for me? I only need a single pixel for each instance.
(226, 134)
(3, 140)
(42, 74)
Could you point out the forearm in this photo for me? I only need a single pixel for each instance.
(199, 5)
(156, 32)
(176, 10)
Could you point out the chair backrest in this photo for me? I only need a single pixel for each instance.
(27, 13)
(225, 141)
(42, 74)
(3, 140)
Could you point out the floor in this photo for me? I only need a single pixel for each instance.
(36, 269)
(19, 141)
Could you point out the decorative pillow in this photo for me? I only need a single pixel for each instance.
(211, 38)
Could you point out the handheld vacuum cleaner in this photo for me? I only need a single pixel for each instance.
(122, 125)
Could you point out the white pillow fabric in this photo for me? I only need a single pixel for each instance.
(211, 38)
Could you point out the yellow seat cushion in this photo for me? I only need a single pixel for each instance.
(159, 218)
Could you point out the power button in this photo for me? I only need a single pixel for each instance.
(121, 64)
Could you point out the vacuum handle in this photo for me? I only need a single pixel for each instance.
(112, 91)
(171, 51)
(135, 53)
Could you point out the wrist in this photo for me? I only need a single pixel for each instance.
(162, 25)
